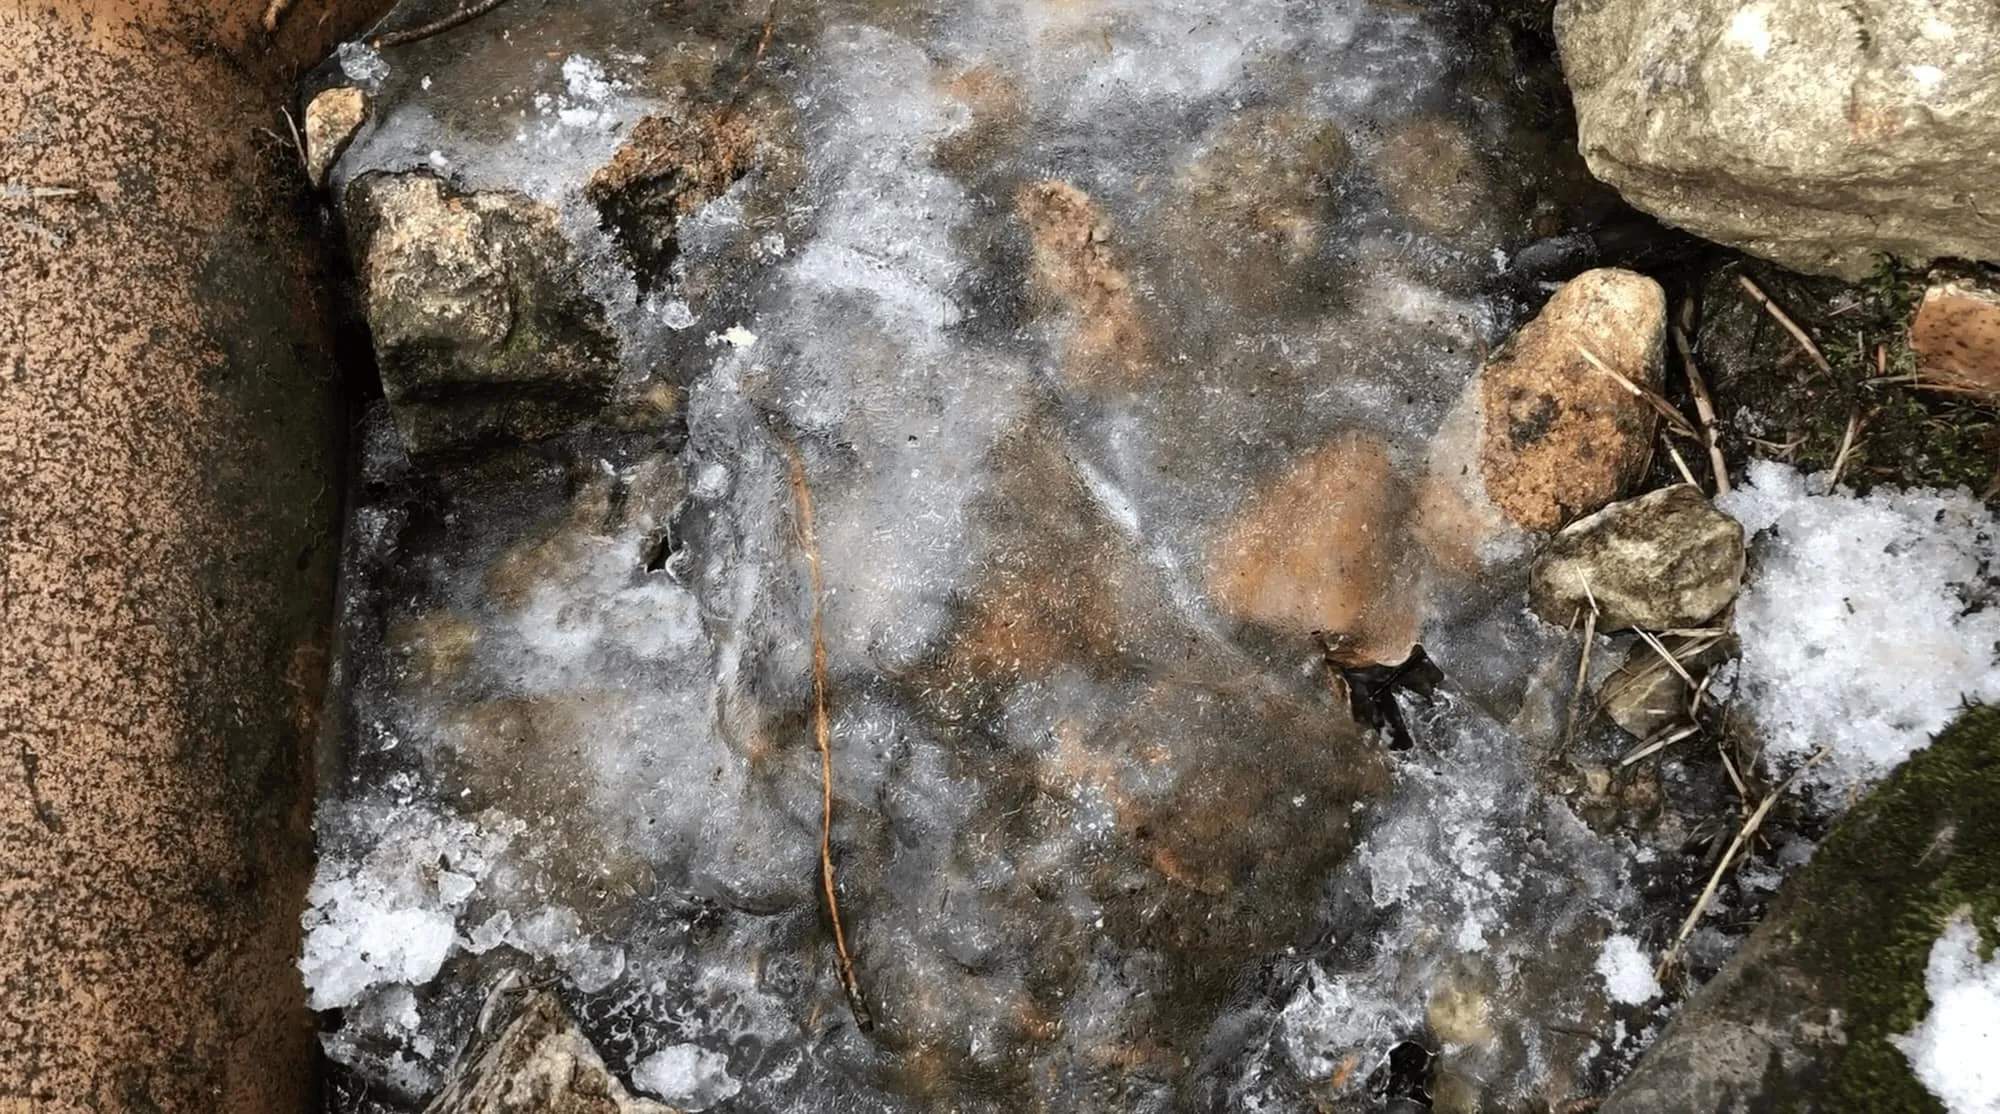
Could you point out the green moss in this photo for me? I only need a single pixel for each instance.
(1884, 884)
(1766, 387)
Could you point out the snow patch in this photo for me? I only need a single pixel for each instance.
(1955, 1050)
(1627, 973)
(1866, 621)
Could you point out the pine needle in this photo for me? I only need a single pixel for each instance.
(1742, 840)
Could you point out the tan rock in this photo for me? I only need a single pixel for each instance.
(1322, 550)
(538, 1063)
(482, 329)
(168, 458)
(1562, 438)
(1956, 336)
(1075, 270)
(333, 116)
(1665, 559)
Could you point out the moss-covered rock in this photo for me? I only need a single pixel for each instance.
(1800, 1021)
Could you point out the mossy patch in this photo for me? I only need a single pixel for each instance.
(1774, 402)
(1923, 846)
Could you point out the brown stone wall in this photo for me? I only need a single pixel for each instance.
(168, 508)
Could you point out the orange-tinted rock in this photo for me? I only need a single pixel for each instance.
(1561, 437)
(1956, 336)
(332, 118)
(1322, 550)
(169, 488)
(1076, 271)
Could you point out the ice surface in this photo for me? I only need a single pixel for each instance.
(1627, 971)
(1866, 621)
(1955, 1050)
(1090, 828)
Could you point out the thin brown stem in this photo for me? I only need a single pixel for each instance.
(823, 739)
(1805, 342)
(436, 27)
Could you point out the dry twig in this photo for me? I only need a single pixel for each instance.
(1742, 840)
(1704, 404)
(1805, 342)
(1680, 463)
(1582, 670)
(1854, 424)
(1665, 409)
(823, 739)
(436, 27)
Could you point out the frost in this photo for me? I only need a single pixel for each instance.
(686, 1075)
(390, 917)
(1627, 971)
(1955, 1050)
(1866, 622)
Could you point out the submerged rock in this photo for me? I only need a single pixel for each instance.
(1803, 1016)
(1666, 559)
(1321, 550)
(481, 321)
(1817, 135)
(539, 1062)
(1561, 436)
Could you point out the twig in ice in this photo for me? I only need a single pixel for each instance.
(1743, 836)
(435, 27)
(823, 739)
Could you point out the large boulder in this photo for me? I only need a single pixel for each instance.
(169, 491)
(1813, 133)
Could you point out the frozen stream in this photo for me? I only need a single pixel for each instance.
(1113, 339)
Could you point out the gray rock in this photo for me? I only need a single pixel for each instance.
(1801, 1018)
(481, 327)
(1812, 133)
(1665, 559)
(538, 1063)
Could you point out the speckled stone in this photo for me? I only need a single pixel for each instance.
(167, 516)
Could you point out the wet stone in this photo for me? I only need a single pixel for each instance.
(1664, 560)
(332, 118)
(481, 325)
(1562, 438)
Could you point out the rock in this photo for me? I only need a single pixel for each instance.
(1819, 136)
(1646, 695)
(1434, 174)
(1075, 270)
(332, 118)
(1801, 1017)
(170, 458)
(1255, 204)
(670, 166)
(1321, 551)
(1666, 559)
(538, 1063)
(481, 326)
(1562, 438)
(1956, 336)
